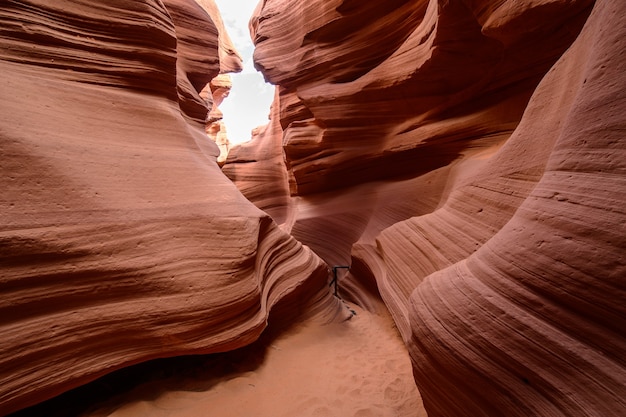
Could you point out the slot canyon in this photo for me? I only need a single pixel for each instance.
(431, 223)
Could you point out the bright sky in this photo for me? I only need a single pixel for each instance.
(248, 104)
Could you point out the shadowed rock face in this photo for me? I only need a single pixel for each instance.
(467, 157)
(120, 238)
(534, 320)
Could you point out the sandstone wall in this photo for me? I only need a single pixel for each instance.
(120, 238)
(466, 157)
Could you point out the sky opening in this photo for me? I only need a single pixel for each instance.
(248, 104)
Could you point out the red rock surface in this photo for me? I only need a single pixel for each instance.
(466, 157)
(218, 89)
(214, 93)
(120, 238)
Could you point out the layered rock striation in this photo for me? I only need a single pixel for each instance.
(534, 319)
(120, 238)
(465, 158)
(215, 92)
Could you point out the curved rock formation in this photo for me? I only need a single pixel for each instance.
(230, 60)
(440, 149)
(533, 322)
(215, 92)
(218, 89)
(391, 112)
(465, 157)
(120, 238)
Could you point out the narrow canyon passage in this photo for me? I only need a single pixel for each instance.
(358, 368)
(464, 158)
(355, 367)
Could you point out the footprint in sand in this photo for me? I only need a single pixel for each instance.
(401, 395)
(395, 391)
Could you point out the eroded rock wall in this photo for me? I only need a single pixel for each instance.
(258, 168)
(535, 317)
(466, 157)
(120, 238)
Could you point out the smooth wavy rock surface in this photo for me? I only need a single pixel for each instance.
(120, 238)
(215, 92)
(466, 159)
(534, 321)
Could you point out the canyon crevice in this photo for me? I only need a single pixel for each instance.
(465, 157)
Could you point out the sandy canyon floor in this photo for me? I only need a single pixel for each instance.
(358, 367)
